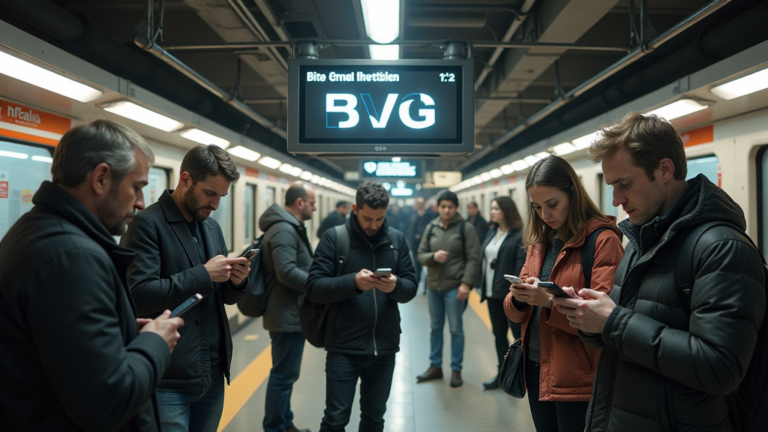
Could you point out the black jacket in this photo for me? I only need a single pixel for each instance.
(663, 368)
(70, 349)
(362, 323)
(332, 220)
(509, 261)
(416, 226)
(167, 270)
(481, 226)
(286, 257)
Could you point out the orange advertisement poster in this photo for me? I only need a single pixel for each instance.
(250, 172)
(30, 124)
(698, 136)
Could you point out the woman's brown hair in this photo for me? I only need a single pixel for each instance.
(553, 171)
(511, 216)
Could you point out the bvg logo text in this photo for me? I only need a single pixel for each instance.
(341, 110)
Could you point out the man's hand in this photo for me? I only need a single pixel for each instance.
(240, 270)
(166, 327)
(365, 280)
(530, 293)
(441, 256)
(386, 285)
(220, 267)
(142, 322)
(463, 292)
(589, 313)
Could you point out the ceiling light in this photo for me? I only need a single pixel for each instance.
(204, 137)
(140, 114)
(24, 71)
(384, 52)
(286, 168)
(681, 108)
(269, 162)
(244, 153)
(507, 169)
(564, 149)
(296, 171)
(485, 176)
(542, 155)
(496, 173)
(382, 19)
(520, 165)
(306, 176)
(743, 86)
(43, 159)
(586, 140)
(530, 160)
(315, 179)
(14, 155)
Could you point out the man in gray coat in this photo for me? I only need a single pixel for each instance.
(286, 257)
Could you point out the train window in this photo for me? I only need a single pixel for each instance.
(270, 198)
(606, 198)
(158, 183)
(706, 165)
(250, 212)
(224, 217)
(22, 169)
(513, 194)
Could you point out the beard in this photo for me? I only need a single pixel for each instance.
(193, 207)
(112, 216)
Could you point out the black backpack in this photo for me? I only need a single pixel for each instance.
(588, 255)
(313, 315)
(748, 404)
(254, 302)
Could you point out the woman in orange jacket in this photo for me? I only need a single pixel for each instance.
(559, 367)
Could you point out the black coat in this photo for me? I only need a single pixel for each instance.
(416, 226)
(333, 219)
(362, 322)
(663, 368)
(481, 226)
(167, 270)
(70, 349)
(509, 261)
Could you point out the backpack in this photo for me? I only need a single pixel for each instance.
(588, 255)
(748, 404)
(313, 315)
(254, 302)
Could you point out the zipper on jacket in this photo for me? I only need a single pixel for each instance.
(375, 303)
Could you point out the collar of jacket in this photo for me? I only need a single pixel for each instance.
(381, 237)
(275, 214)
(56, 200)
(438, 221)
(702, 202)
(492, 233)
(174, 216)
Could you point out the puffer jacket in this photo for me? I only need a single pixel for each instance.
(286, 257)
(362, 322)
(664, 368)
(463, 262)
(567, 364)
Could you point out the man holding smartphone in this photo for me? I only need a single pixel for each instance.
(181, 252)
(365, 334)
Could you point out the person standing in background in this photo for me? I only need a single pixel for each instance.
(335, 218)
(418, 223)
(477, 220)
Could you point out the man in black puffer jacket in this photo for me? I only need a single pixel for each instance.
(364, 320)
(667, 365)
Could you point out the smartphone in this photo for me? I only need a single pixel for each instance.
(250, 254)
(383, 273)
(553, 289)
(513, 279)
(187, 305)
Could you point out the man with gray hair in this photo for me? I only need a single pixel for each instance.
(181, 252)
(75, 356)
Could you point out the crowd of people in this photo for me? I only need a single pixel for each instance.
(89, 342)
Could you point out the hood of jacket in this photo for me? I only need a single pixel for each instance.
(457, 218)
(275, 214)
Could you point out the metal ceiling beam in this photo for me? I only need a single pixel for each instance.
(631, 58)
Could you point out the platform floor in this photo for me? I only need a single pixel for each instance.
(426, 407)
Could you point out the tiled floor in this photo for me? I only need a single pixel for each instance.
(426, 407)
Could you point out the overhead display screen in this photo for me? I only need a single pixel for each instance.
(390, 170)
(365, 106)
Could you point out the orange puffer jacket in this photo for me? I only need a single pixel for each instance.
(567, 364)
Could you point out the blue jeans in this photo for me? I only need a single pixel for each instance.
(195, 409)
(442, 303)
(342, 371)
(287, 350)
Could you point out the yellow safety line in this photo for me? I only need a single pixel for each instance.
(480, 310)
(245, 385)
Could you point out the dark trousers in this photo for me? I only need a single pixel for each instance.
(342, 371)
(500, 324)
(552, 416)
(287, 351)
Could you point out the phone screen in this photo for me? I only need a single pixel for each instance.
(513, 279)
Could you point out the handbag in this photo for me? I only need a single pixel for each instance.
(512, 374)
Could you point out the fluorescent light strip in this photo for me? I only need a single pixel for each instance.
(315, 179)
(140, 114)
(45, 159)
(743, 86)
(564, 149)
(286, 168)
(204, 137)
(306, 176)
(269, 162)
(507, 169)
(586, 140)
(384, 52)
(244, 153)
(14, 155)
(485, 176)
(520, 165)
(24, 71)
(678, 109)
(296, 171)
(495, 173)
(382, 19)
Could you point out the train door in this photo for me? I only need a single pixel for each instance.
(251, 194)
(224, 216)
(707, 165)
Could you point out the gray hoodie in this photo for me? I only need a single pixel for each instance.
(285, 258)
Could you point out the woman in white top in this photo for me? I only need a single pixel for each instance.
(503, 253)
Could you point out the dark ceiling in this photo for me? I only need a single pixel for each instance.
(103, 32)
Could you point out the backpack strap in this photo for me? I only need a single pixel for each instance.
(461, 233)
(342, 247)
(588, 255)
